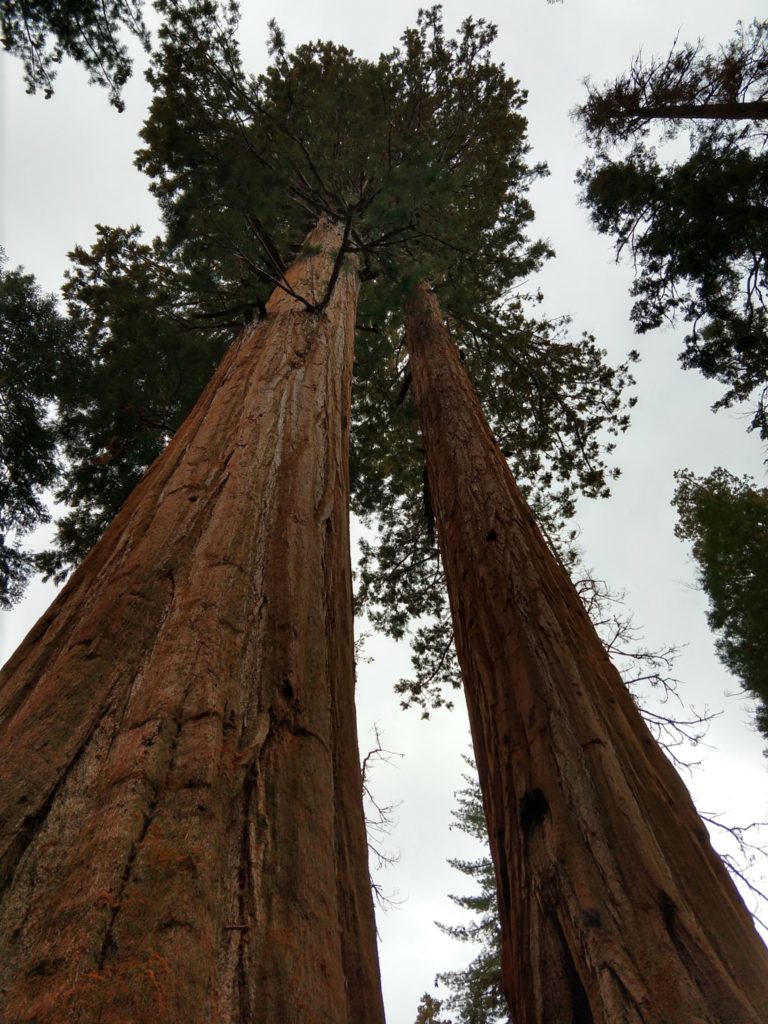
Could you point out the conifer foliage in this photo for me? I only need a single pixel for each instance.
(695, 228)
(574, 787)
(725, 518)
(688, 84)
(38, 346)
(421, 157)
(42, 33)
(141, 362)
(475, 992)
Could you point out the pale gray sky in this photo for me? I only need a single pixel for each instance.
(67, 164)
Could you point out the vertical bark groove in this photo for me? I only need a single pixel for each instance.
(614, 908)
(178, 731)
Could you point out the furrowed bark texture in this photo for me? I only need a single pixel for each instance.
(614, 907)
(180, 792)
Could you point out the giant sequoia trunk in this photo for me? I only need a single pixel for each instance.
(180, 793)
(614, 907)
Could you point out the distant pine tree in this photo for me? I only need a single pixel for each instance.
(725, 518)
(696, 228)
(476, 993)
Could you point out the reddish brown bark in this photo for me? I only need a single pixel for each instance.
(614, 907)
(180, 792)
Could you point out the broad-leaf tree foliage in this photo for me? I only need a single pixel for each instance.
(37, 348)
(421, 157)
(725, 518)
(696, 228)
(43, 32)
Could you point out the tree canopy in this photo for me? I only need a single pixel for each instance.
(37, 347)
(688, 84)
(43, 32)
(421, 156)
(695, 228)
(725, 518)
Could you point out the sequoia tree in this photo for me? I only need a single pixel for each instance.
(421, 158)
(613, 904)
(182, 829)
(422, 153)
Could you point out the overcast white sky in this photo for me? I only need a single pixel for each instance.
(67, 164)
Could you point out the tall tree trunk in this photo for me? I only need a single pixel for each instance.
(614, 907)
(753, 110)
(180, 792)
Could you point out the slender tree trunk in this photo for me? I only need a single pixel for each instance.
(180, 792)
(754, 110)
(614, 907)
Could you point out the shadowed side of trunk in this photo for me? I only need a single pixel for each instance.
(181, 827)
(614, 907)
